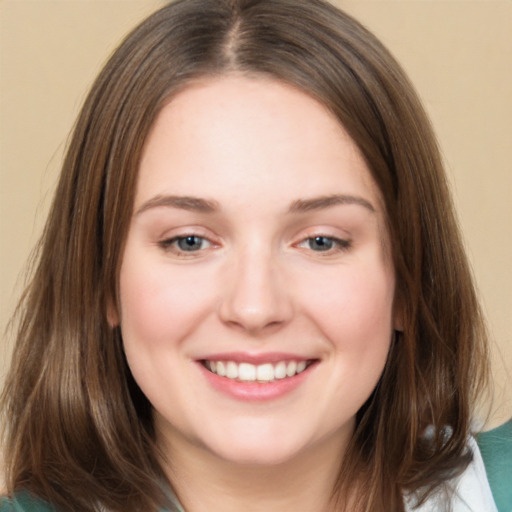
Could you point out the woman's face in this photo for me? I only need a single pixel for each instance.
(256, 287)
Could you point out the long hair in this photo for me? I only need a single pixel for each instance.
(79, 431)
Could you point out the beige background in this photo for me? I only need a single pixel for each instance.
(457, 52)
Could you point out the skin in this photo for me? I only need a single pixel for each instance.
(257, 282)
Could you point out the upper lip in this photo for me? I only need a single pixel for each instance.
(256, 359)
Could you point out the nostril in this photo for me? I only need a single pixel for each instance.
(253, 296)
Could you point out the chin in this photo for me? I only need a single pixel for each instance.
(258, 446)
(258, 456)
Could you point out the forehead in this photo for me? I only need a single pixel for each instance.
(256, 133)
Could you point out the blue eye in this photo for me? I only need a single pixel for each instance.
(189, 243)
(321, 243)
(324, 244)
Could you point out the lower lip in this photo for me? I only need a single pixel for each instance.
(256, 391)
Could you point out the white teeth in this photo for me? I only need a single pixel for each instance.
(248, 372)
(291, 368)
(221, 369)
(280, 370)
(301, 366)
(265, 372)
(231, 370)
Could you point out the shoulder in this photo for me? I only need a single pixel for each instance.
(472, 487)
(496, 448)
(24, 502)
(470, 492)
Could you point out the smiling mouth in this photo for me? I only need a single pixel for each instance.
(262, 373)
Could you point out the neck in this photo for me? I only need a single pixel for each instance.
(202, 481)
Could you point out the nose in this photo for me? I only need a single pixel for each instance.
(255, 297)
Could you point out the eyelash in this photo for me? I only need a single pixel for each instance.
(171, 244)
(334, 245)
(338, 244)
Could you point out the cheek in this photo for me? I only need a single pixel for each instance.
(161, 304)
(354, 308)
(355, 313)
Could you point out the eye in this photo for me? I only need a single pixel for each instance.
(324, 244)
(188, 243)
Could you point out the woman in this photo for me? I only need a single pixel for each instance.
(243, 296)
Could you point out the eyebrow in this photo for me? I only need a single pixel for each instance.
(322, 202)
(182, 202)
(210, 206)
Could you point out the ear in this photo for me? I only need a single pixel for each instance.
(398, 324)
(398, 316)
(112, 314)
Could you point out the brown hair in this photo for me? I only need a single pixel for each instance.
(79, 431)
